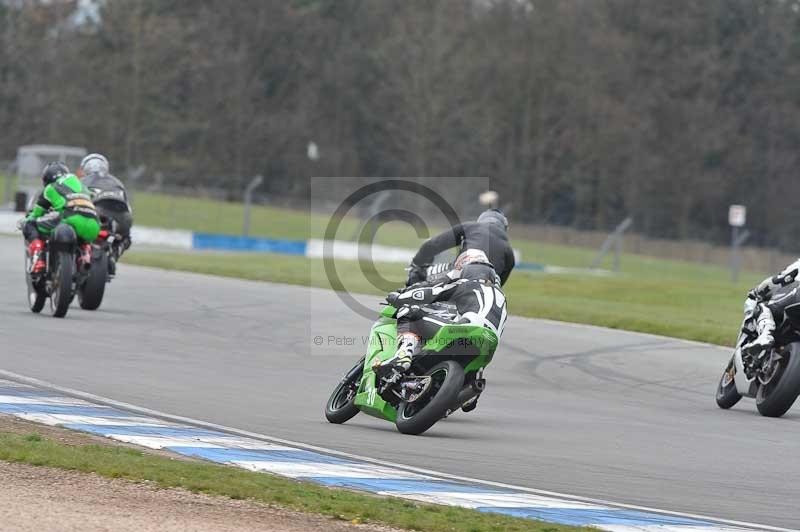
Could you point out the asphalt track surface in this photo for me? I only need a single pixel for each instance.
(593, 412)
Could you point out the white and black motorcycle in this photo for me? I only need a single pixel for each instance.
(771, 377)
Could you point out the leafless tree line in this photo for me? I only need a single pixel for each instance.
(581, 112)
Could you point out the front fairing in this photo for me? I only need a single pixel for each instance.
(381, 347)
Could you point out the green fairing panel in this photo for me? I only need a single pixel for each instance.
(383, 338)
(371, 403)
(466, 336)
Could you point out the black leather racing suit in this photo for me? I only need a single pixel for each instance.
(426, 307)
(773, 295)
(489, 238)
(780, 291)
(111, 199)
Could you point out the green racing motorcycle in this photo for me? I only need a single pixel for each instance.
(445, 376)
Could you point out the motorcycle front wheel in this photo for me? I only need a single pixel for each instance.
(727, 394)
(341, 405)
(37, 294)
(447, 380)
(777, 396)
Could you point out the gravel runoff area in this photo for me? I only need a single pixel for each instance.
(44, 499)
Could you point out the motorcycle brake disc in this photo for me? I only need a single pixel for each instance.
(770, 368)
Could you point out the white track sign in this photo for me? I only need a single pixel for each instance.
(737, 215)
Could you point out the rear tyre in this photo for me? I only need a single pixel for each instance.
(90, 293)
(727, 395)
(417, 417)
(61, 295)
(341, 405)
(775, 398)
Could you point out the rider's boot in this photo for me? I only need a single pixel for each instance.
(36, 251)
(765, 326)
(392, 370)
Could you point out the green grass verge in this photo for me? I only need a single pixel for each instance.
(696, 308)
(213, 216)
(198, 477)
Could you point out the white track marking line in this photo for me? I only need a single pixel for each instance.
(203, 424)
(161, 442)
(51, 401)
(497, 500)
(70, 419)
(666, 528)
(323, 470)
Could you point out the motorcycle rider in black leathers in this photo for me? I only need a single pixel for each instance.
(471, 294)
(489, 234)
(465, 291)
(111, 201)
(772, 298)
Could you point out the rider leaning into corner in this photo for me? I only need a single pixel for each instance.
(110, 199)
(468, 293)
(772, 298)
(64, 199)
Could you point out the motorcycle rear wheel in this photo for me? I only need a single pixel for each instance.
(419, 416)
(61, 294)
(90, 293)
(777, 397)
(727, 394)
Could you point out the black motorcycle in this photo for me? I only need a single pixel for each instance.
(115, 224)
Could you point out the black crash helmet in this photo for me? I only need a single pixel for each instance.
(52, 171)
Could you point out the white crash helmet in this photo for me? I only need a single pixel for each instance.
(94, 163)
